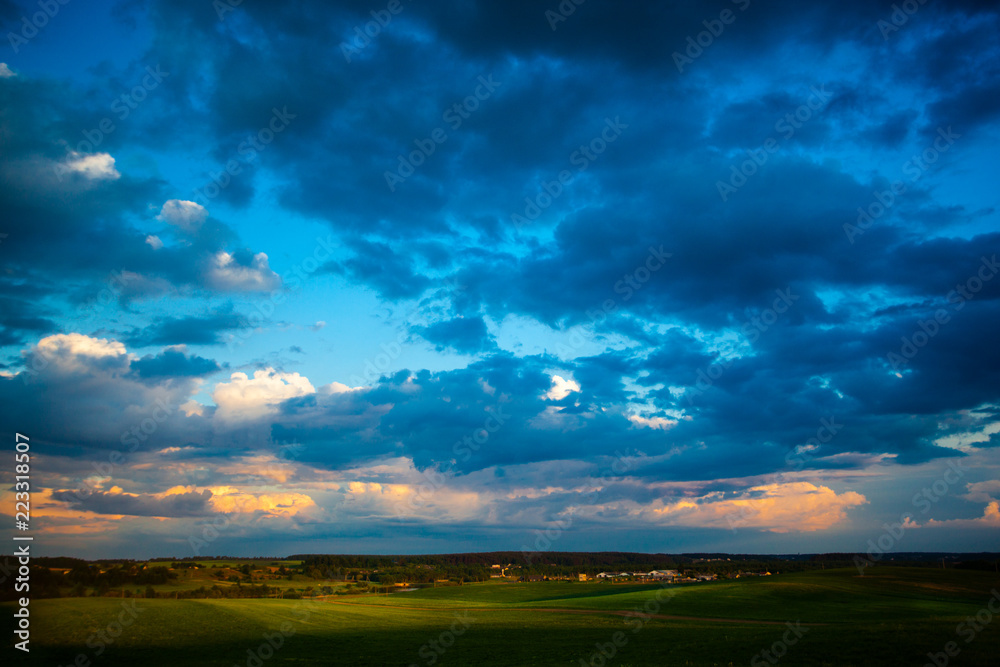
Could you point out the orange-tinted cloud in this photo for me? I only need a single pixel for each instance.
(779, 508)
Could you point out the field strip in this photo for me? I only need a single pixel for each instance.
(614, 612)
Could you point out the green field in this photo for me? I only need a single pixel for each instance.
(891, 616)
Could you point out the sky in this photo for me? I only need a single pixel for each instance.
(386, 276)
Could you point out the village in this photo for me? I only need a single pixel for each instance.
(661, 576)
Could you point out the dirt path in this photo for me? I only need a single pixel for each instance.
(554, 610)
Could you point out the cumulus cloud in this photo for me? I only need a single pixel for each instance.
(5, 71)
(561, 388)
(989, 519)
(226, 273)
(187, 216)
(249, 399)
(230, 500)
(983, 491)
(86, 393)
(416, 501)
(93, 166)
(779, 508)
(78, 353)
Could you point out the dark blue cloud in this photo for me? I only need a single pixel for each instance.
(463, 334)
(379, 265)
(173, 363)
(197, 330)
(193, 503)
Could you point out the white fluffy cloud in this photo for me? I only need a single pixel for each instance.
(186, 215)
(250, 398)
(76, 352)
(5, 72)
(226, 274)
(561, 388)
(653, 422)
(95, 166)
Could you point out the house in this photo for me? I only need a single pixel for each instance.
(583, 576)
(663, 574)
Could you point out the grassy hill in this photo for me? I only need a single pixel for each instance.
(891, 616)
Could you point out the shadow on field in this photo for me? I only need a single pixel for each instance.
(394, 637)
